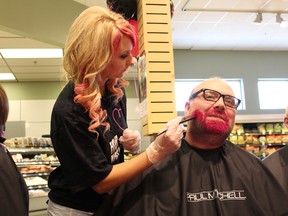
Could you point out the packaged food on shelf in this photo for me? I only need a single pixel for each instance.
(261, 138)
(17, 157)
(36, 169)
(35, 159)
(35, 163)
(240, 140)
(35, 181)
(270, 139)
(285, 138)
(23, 142)
(277, 127)
(269, 128)
(261, 128)
(38, 192)
(234, 139)
(248, 139)
(278, 139)
(255, 140)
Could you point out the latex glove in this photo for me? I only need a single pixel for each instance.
(130, 140)
(166, 143)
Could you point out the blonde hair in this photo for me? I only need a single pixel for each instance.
(92, 40)
(4, 107)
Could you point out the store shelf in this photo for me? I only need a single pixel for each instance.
(260, 138)
(35, 164)
(23, 164)
(259, 118)
(32, 150)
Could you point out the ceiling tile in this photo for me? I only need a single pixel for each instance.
(196, 30)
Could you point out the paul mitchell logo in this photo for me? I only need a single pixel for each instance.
(215, 194)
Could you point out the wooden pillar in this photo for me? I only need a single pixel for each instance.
(155, 65)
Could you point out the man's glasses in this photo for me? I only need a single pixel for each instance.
(214, 96)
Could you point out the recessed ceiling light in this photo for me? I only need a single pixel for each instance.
(7, 76)
(32, 53)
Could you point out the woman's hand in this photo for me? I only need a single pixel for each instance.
(166, 143)
(130, 140)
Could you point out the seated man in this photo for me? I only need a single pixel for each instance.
(208, 175)
(278, 161)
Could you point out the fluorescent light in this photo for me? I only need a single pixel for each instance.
(283, 24)
(7, 76)
(32, 53)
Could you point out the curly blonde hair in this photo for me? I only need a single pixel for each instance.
(92, 40)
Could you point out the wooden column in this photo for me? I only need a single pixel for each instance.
(155, 65)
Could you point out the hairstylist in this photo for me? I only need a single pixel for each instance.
(88, 125)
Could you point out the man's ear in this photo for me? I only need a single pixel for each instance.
(187, 108)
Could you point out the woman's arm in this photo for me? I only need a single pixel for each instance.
(162, 146)
(123, 172)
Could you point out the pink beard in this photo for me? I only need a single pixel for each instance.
(214, 127)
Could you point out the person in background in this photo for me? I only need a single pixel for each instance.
(277, 162)
(89, 131)
(208, 175)
(14, 198)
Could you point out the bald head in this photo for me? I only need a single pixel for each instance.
(216, 84)
(214, 106)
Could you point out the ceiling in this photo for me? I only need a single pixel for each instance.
(196, 25)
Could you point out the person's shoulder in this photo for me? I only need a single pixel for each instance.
(233, 147)
(237, 151)
(283, 151)
(67, 90)
(279, 155)
(66, 96)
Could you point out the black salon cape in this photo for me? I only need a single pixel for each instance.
(14, 197)
(227, 181)
(277, 162)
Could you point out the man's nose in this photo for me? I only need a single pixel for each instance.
(220, 103)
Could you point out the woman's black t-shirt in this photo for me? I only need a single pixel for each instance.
(84, 160)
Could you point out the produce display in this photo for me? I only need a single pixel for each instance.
(260, 139)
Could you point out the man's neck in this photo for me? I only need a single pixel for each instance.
(205, 141)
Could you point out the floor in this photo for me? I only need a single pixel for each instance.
(38, 213)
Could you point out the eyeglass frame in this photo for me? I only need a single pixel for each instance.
(220, 95)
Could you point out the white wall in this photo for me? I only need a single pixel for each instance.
(37, 113)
